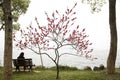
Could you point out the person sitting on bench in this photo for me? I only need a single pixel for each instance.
(21, 61)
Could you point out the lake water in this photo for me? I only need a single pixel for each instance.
(69, 60)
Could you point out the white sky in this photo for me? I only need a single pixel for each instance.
(96, 24)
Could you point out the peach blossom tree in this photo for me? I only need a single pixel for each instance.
(60, 32)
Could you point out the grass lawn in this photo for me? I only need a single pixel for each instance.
(64, 75)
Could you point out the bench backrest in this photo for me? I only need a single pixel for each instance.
(22, 62)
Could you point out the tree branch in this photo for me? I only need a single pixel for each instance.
(49, 57)
(70, 54)
(2, 27)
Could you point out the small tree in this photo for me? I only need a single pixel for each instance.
(59, 33)
(32, 39)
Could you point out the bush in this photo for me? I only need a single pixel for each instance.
(95, 68)
(101, 67)
(1, 67)
(40, 68)
(61, 67)
(87, 68)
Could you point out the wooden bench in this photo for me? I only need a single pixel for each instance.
(25, 63)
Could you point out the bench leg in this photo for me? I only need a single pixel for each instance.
(24, 68)
(31, 68)
(17, 68)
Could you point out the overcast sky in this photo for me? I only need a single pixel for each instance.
(97, 24)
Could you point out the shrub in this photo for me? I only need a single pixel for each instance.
(61, 67)
(40, 68)
(95, 68)
(101, 67)
(87, 68)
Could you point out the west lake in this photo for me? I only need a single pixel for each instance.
(75, 61)
(70, 60)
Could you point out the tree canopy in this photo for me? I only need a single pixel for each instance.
(95, 5)
(18, 7)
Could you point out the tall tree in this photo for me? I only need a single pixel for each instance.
(10, 10)
(96, 6)
(6, 6)
(113, 44)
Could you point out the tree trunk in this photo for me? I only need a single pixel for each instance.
(41, 60)
(57, 71)
(113, 44)
(8, 40)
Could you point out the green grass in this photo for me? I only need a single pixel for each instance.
(49, 74)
